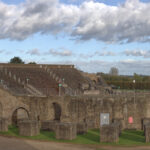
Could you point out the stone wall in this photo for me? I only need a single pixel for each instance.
(78, 109)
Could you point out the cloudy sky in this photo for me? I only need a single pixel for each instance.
(95, 35)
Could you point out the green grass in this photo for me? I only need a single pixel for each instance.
(127, 138)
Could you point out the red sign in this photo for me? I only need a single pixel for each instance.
(130, 120)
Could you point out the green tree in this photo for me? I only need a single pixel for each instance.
(32, 63)
(16, 60)
(137, 77)
(114, 71)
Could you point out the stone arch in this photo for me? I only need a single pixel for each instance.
(19, 113)
(57, 111)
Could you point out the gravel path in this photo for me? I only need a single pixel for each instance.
(22, 144)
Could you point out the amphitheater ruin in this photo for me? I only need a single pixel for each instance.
(63, 99)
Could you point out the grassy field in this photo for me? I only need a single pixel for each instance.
(128, 137)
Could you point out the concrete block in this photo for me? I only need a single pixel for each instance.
(3, 124)
(120, 124)
(147, 133)
(109, 133)
(145, 121)
(29, 128)
(49, 125)
(66, 131)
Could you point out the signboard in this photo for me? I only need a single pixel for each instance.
(130, 120)
(60, 85)
(104, 119)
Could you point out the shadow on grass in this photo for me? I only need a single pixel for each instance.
(92, 135)
(14, 130)
(47, 134)
(132, 136)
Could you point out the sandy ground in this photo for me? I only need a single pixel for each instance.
(21, 144)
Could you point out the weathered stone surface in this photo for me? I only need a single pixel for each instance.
(66, 131)
(29, 128)
(147, 133)
(90, 123)
(3, 124)
(145, 121)
(119, 122)
(83, 108)
(109, 133)
(49, 125)
(81, 128)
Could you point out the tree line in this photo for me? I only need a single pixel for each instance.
(127, 82)
(18, 60)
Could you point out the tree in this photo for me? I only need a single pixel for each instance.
(137, 77)
(16, 60)
(32, 63)
(114, 71)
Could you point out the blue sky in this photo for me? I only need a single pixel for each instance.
(93, 35)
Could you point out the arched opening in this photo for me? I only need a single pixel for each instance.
(19, 114)
(57, 111)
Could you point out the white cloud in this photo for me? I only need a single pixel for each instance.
(106, 53)
(97, 53)
(34, 52)
(62, 52)
(127, 22)
(126, 67)
(90, 20)
(137, 53)
(2, 51)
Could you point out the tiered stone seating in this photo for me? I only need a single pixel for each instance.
(36, 77)
(71, 76)
(11, 84)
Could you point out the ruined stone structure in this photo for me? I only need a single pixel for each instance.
(29, 128)
(109, 133)
(66, 131)
(57, 93)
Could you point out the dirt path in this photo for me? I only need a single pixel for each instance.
(123, 148)
(21, 144)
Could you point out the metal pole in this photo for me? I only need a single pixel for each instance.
(134, 91)
(59, 90)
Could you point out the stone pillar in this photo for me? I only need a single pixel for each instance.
(66, 131)
(29, 128)
(9, 74)
(120, 123)
(145, 121)
(19, 80)
(3, 124)
(54, 76)
(14, 77)
(109, 133)
(147, 133)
